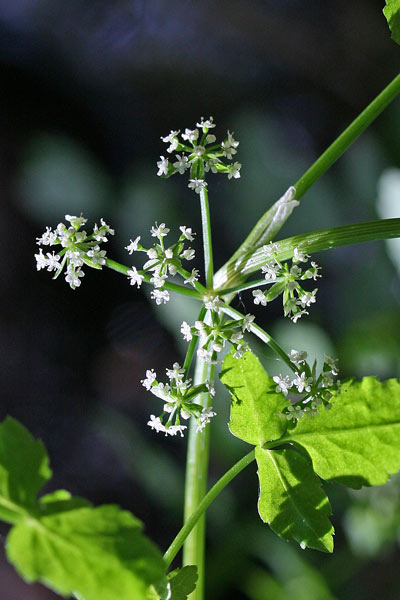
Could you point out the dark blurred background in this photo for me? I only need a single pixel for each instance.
(87, 89)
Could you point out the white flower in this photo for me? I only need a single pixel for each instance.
(160, 296)
(159, 230)
(187, 233)
(173, 145)
(283, 383)
(270, 250)
(97, 256)
(206, 124)
(135, 277)
(75, 257)
(197, 185)
(229, 146)
(259, 297)
(72, 276)
(193, 277)
(181, 164)
(206, 355)
(307, 298)
(213, 303)
(158, 280)
(312, 272)
(296, 316)
(41, 260)
(247, 321)
(100, 233)
(76, 221)
(162, 166)
(152, 253)
(234, 170)
(302, 382)
(186, 331)
(168, 138)
(271, 271)
(155, 423)
(48, 238)
(176, 372)
(299, 256)
(209, 385)
(161, 390)
(199, 150)
(204, 418)
(210, 138)
(191, 135)
(174, 429)
(133, 245)
(188, 254)
(151, 376)
(211, 165)
(53, 262)
(297, 356)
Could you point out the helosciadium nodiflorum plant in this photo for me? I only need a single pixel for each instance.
(165, 265)
(295, 441)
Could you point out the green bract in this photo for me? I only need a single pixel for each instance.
(392, 14)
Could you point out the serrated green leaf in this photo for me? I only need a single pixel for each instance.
(357, 442)
(60, 501)
(99, 553)
(392, 14)
(256, 407)
(24, 467)
(183, 582)
(292, 500)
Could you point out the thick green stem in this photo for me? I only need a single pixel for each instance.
(207, 242)
(196, 484)
(349, 135)
(204, 504)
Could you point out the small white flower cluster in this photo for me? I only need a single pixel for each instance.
(313, 391)
(199, 153)
(178, 396)
(78, 248)
(212, 338)
(285, 281)
(163, 261)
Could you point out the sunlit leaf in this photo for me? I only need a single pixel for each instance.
(183, 582)
(99, 553)
(357, 442)
(392, 14)
(292, 500)
(24, 467)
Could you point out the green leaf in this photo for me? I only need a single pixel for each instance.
(99, 553)
(183, 582)
(292, 500)
(256, 408)
(357, 442)
(392, 14)
(24, 467)
(60, 501)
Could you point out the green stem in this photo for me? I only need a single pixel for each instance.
(262, 335)
(204, 504)
(207, 242)
(172, 287)
(196, 484)
(192, 345)
(324, 239)
(349, 135)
